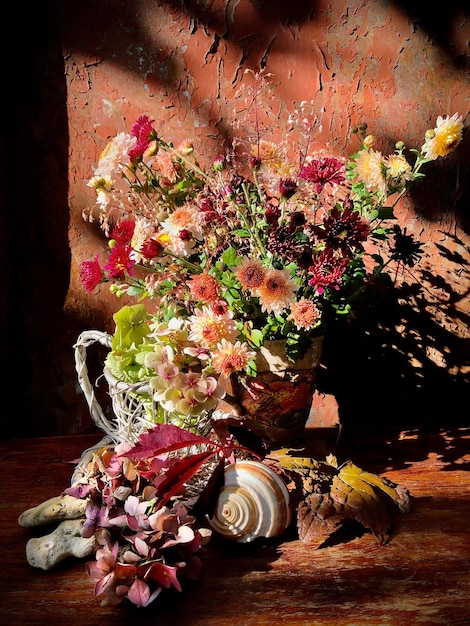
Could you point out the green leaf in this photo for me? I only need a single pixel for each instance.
(131, 326)
(229, 257)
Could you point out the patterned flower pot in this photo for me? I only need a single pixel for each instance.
(276, 404)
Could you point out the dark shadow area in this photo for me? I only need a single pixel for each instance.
(385, 378)
(35, 181)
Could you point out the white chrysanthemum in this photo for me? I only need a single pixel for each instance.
(445, 137)
(184, 218)
(115, 155)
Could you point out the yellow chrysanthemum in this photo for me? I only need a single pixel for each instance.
(445, 137)
(370, 170)
(398, 170)
(269, 153)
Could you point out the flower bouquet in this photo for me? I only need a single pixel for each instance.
(270, 241)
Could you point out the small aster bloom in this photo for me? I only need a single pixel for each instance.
(323, 171)
(276, 292)
(204, 288)
(326, 271)
(120, 262)
(250, 273)
(445, 137)
(231, 357)
(304, 313)
(91, 274)
(208, 329)
(370, 168)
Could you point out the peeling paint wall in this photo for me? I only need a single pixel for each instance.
(182, 63)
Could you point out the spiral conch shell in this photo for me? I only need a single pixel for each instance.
(254, 502)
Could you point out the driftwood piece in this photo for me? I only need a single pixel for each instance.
(65, 541)
(55, 509)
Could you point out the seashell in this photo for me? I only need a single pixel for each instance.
(254, 502)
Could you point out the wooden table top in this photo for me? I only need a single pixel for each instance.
(421, 577)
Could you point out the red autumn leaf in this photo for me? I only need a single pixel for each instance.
(165, 438)
(179, 472)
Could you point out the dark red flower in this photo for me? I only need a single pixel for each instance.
(287, 188)
(123, 232)
(322, 171)
(120, 262)
(326, 271)
(151, 249)
(91, 274)
(272, 214)
(343, 230)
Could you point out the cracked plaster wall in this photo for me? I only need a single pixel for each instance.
(182, 62)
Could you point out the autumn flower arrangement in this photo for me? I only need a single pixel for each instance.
(270, 241)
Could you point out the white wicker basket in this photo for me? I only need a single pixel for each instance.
(134, 410)
(133, 407)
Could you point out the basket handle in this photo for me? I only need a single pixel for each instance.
(86, 339)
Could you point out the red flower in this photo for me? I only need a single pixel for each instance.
(327, 271)
(91, 274)
(343, 230)
(151, 249)
(143, 131)
(123, 232)
(287, 188)
(120, 262)
(322, 171)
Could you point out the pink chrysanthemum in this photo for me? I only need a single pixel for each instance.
(208, 329)
(250, 273)
(231, 357)
(304, 313)
(326, 271)
(276, 292)
(142, 131)
(91, 274)
(165, 166)
(323, 171)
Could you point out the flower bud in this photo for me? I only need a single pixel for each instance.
(369, 141)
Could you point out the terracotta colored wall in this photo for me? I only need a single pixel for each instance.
(182, 62)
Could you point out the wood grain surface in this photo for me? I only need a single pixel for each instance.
(421, 577)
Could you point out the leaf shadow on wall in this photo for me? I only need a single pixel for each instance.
(395, 367)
